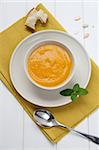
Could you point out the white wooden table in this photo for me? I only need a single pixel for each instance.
(17, 131)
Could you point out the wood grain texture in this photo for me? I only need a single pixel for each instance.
(91, 45)
(11, 121)
(17, 131)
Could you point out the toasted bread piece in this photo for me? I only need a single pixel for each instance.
(35, 15)
(42, 16)
(31, 19)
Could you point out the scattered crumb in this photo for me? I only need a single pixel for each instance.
(86, 35)
(85, 26)
(77, 32)
(77, 18)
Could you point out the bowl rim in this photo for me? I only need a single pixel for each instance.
(44, 42)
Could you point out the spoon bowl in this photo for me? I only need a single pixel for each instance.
(44, 118)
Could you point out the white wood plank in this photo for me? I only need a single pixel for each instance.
(11, 121)
(10, 12)
(47, 3)
(98, 34)
(91, 45)
(33, 137)
(90, 15)
(94, 128)
(31, 140)
(66, 12)
(11, 113)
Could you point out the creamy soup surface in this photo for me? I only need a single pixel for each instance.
(49, 65)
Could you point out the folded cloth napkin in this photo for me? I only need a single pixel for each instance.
(70, 114)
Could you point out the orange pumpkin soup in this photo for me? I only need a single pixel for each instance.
(49, 65)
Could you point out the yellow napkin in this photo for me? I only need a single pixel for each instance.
(70, 114)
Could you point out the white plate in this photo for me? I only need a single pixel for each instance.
(43, 97)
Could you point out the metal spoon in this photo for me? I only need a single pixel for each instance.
(45, 119)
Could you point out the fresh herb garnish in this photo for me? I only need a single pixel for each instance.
(75, 92)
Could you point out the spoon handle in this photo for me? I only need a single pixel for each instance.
(90, 137)
(87, 136)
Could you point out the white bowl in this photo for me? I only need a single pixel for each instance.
(44, 43)
(42, 97)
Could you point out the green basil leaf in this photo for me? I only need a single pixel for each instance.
(76, 87)
(82, 92)
(73, 96)
(66, 92)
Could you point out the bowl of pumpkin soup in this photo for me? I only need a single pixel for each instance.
(49, 65)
